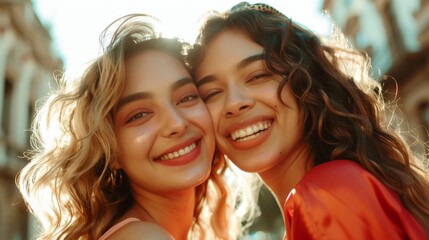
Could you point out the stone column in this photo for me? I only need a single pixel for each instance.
(6, 42)
(19, 114)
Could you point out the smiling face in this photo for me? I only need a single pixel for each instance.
(162, 127)
(252, 126)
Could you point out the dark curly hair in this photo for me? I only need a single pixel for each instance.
(342, 106)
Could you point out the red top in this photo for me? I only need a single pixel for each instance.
(341, 200)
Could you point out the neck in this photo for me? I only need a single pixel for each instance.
(174, 211)
(283, 177)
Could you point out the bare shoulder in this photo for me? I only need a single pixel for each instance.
(140, 231)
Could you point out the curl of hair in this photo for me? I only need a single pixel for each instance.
(344, 113)
(71, 184)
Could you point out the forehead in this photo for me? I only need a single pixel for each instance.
(151, 68)
(226, 50)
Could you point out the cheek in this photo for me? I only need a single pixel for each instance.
(133, 140)
(201, 117)
(288, 96)
(270, 89)
(215, 112)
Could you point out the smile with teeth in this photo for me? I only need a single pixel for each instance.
(250, 132)
(179, 153)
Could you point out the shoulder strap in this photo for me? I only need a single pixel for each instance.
(117, 226)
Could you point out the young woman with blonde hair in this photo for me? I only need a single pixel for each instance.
(126, 151)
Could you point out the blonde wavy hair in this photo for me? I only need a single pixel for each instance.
(342, 106)
(71, 184)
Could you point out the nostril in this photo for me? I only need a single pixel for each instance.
(236, 110)
(243, 107)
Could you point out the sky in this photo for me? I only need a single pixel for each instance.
(75, 25)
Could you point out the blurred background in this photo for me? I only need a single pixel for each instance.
(39, 39)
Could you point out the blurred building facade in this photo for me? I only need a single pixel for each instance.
(395, 34)
(27, 63)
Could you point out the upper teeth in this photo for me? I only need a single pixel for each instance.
(179, 153)
(250, 130)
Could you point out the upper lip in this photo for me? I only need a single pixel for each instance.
(179, 146)
(244, 123)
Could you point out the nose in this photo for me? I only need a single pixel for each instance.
(238, 101)
(174, 123)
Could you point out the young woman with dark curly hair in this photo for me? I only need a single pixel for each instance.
(305, 114)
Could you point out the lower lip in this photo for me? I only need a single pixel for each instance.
(184, 159)
(252, 142)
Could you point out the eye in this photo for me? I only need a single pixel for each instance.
(188, 98)
(137, 116)
(259, 78)
(210, 95)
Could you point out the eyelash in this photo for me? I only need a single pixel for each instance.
(186, 98)
(144, 114)
(206, 98)
(257, 77)
(137, 116)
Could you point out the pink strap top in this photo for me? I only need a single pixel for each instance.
(117, 226)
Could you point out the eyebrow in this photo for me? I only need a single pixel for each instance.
(181, 82)
(242, 64)
(249, 60)
(146, 95)
(131, 98)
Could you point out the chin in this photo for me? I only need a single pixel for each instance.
(253, 165)
(196, 177)
(249, 169)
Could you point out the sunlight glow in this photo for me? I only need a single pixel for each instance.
(75, 25)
